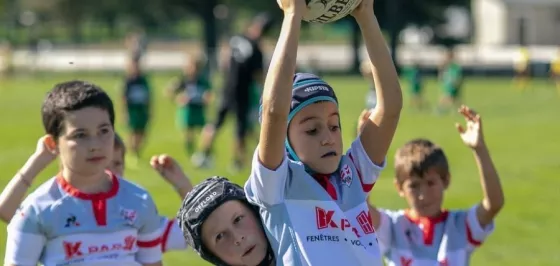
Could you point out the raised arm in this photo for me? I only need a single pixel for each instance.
(472, 136)
(278, 86)
(171, 171)
(14, 192)
(379, 130)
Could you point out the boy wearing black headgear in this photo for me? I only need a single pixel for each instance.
(222, 226)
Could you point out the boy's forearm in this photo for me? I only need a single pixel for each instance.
(183, 188)
(14, 192)
(12, 196)
(389, 95)
(490, 182)
(277, 93)
(379, 132)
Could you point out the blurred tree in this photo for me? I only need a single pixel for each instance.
(108, 12)
(393, 16)
(205, 10)
(71, 13)
(396, 15)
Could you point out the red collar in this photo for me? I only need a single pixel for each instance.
(427, 224)
(68, 188)
(324, 181)
(426, 220)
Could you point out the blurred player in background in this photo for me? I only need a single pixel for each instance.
(6, 55)
(451, 76)
(137, 101)
(371, 98)
(522, 67)
(192, 94)
(414, 77)
(136, 44)
(245, 69)
(254, 104)
(555, 71)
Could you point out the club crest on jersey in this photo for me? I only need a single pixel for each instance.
(128, 215)
(346, 175)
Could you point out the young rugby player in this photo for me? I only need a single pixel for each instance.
(312, 197)
(415, 84)
(137, 100)
(192, 95)
(425, 233)
(223, 227)
(168, 168)
(451, 75)
(85, 214)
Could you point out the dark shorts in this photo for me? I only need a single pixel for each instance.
(452, 92)
(138, 119)
(415, 89)
(241, 112)
(191, 117)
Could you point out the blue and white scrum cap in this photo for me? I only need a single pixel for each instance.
(307, 89)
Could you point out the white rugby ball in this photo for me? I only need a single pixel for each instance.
(326, 11)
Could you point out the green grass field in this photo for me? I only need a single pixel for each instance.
(520, 128)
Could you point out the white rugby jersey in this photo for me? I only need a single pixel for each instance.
(171, 235)
(308, 225)
(59, 225)
(448, 240)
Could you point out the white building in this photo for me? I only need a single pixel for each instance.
(509, 22)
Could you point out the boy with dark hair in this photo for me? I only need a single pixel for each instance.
(425, 233)
(72, 217)
(167, 167)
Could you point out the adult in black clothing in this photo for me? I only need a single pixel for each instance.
(245, 68)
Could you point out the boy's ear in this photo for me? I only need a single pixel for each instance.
(446, 180)
(51, 144)
(398, 186)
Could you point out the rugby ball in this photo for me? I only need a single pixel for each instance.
(326, 11)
